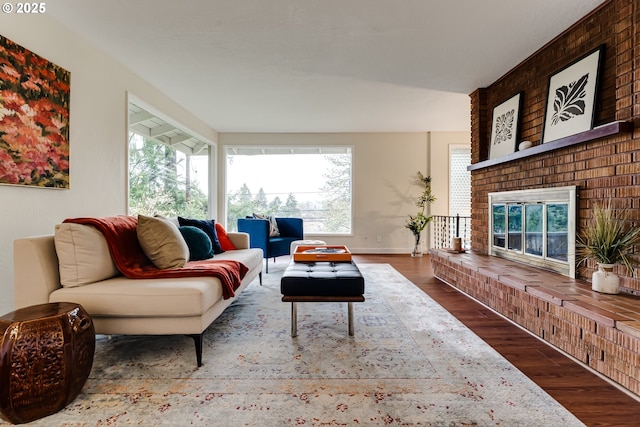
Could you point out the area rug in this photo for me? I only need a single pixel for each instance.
(410, 363)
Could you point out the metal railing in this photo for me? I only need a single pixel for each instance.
(446, 228)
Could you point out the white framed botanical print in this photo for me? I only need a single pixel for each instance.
(504, 127)
(571, 97)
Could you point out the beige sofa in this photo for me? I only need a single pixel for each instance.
(119, 305)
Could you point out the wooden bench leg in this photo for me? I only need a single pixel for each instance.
(350, 315)
(294, 320)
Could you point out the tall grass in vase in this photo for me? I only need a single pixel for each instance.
(609, 239)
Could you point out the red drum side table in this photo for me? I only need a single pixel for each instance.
(46, 355)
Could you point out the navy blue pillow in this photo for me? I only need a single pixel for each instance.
(198, 242)
(208, 226)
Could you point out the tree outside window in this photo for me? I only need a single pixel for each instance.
(164, 181)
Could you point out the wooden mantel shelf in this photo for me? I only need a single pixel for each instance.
(603, 131)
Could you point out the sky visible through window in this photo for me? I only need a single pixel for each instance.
(279, 175)
(314, 186)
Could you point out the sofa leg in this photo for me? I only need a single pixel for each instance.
(199, 340)
(260, 276)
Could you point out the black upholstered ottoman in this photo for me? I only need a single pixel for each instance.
(322, 282)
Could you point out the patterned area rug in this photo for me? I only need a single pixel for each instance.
(410, 363)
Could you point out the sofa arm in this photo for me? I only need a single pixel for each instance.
(239, 240)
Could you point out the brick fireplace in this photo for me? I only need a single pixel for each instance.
(603, 332)
(601, 163)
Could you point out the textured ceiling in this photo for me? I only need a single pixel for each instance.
(322, 65)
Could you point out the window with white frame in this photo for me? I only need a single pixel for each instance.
(312, 183)
(459, 180)
(168, 168)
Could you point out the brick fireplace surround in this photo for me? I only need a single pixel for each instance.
(602, 163)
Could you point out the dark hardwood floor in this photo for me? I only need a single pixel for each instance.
(590, 398)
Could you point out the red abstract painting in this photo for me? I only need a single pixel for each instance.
(34, 119)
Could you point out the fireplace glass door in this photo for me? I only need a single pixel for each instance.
(533, 229)
(536, 227)
(557, 231)
(499, 227)
(515, 227)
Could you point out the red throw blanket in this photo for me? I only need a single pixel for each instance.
(122, 239)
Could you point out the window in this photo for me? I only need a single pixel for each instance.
(312, 183)
(460, 180)
(168, 168)
(458, 223)
(535, 226)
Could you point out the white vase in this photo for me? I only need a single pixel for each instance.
(604, 280)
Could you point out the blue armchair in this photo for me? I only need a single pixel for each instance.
(291, 229)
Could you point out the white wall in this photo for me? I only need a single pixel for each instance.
(384, 164)
(384, 168)
(98, 138)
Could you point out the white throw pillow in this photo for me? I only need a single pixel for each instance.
(273, 225)
(83, 255)
(162, 242)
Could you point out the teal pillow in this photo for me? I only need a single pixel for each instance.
(199, 243)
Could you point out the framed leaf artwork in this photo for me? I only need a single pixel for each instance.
(34, 119)
(571, 97)
(504, 128)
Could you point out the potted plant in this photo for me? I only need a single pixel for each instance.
(418, 222)
(608, 239)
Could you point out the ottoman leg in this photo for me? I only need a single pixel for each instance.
(350, 313)
(294, 319)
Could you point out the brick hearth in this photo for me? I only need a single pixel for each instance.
(602, 331)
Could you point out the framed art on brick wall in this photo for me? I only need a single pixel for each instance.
(504, 128)
(34, 119)
(571, 97)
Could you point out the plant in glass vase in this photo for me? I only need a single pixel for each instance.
(608, 239)
(418, 222)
